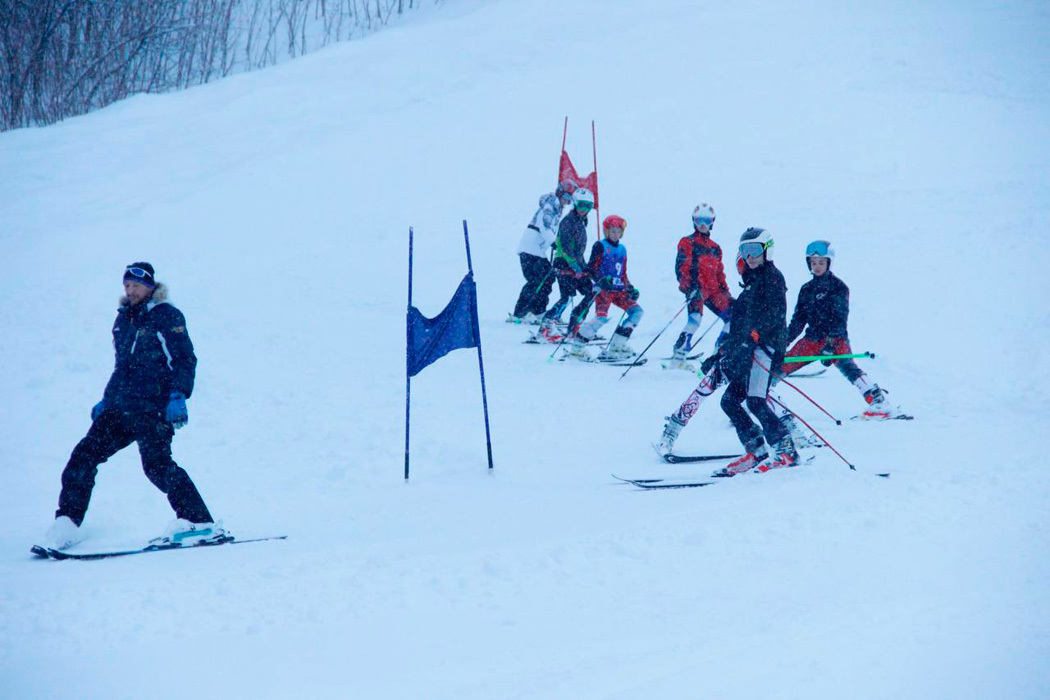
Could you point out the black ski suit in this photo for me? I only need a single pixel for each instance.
(154, 359)
(755, 345)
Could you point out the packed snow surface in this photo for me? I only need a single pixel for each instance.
(276, 206)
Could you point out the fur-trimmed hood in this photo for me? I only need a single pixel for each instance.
(160, 296)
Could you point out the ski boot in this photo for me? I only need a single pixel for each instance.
(62, 533)
(802, 440)
(784, 455)
(617, 348)
(678, 361)
(879, 408)
(672, 428)
(576, 349)
(756, 453)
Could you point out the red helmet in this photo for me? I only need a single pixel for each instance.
(613, 220)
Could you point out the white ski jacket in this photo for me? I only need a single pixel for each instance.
(543, 229)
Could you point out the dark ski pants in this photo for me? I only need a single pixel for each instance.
(751, 388)
(112, 432)
(539, 280)
(568, 285)
(806, 347)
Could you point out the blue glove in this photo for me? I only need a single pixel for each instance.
(176, 412)
(634, 293)
(97, 409)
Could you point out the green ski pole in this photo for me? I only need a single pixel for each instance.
(818, 358)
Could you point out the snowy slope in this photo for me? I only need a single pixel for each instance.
(276, 206)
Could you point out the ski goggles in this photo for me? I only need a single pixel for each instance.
(139, 272)
(818, 249)
(703, 221)
(752, 249)
(585, 206)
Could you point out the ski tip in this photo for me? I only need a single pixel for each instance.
(884, 476)
(40, 552)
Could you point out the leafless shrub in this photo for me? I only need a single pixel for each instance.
(60, 58)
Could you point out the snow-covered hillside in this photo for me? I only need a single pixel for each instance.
(276, 205)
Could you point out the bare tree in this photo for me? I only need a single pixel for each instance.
(60, 58)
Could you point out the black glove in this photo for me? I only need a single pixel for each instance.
(633, 293)
(692, 294)
(828, 350)
(709, 362)
(605, 283)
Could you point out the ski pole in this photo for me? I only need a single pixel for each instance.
(697, 341)
(812, 430)
(635, 363)
(568, 329)
(543, 281)
(572, 306)
(622, 317)
(818, 358)
(804, 394)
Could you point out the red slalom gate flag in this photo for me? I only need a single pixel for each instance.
(566, 171)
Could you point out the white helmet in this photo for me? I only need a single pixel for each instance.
(758, 236)
(704, 214)
(582, 197)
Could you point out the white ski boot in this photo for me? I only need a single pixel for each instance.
(576, 349)
(62, 533)
(672, 429)
(617, 349)
(802, 440)
(879, 408)
(678, 361)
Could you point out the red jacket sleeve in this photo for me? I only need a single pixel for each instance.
(683, 265)
(595, 265)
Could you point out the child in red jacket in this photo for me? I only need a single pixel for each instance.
(701, 278)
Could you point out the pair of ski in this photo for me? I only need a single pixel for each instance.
(671, 483)
(48, 553)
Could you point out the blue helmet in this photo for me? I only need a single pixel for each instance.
(820, 249)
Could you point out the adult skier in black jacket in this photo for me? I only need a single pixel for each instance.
(144, 402)
(754, 345)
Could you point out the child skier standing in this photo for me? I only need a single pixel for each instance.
(569, 264)
(822, 311)
(608, 266)
(755, 344)
(534, 250)
(701, 278)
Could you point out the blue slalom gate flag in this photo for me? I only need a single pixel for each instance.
(430, 339)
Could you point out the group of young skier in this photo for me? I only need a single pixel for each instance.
(750, 351)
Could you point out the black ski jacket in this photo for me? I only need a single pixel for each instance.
(822, 309)
(761, 309)
(571, 244)
(154, 356)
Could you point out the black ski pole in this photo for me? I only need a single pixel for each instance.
(622, 317)
(572, 306)
(635, 363)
